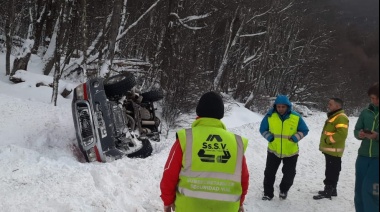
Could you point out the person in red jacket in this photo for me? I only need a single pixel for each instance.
(209, 106)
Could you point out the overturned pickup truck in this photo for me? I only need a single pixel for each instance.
(112, 120)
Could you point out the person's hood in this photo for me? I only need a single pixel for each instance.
(282, 100)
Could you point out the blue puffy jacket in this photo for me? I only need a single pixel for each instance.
(264, 127)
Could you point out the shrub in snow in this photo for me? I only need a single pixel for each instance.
(302, 109)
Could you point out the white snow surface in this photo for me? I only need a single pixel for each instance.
(41, 172)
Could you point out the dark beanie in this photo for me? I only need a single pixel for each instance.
(210, 105)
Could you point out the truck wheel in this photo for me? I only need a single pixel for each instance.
(152, 96)
(144, 152)
(119, 85)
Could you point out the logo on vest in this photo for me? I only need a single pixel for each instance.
(214, 150)
(214, 137)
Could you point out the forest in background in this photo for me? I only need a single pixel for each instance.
(250, 49)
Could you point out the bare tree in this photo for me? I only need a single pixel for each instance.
(84, 36)
(37, 13)
(41, 13)
(250, 49)
(236, 27)
(9, 18)
(57, 64)
(112, 36)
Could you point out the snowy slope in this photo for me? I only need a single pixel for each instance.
(40, 172)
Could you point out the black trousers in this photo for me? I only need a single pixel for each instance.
(288, 170)
(333, 168)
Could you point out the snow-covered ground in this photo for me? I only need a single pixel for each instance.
(40, 172)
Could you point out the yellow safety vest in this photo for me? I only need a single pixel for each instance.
(281, 146)
(210, 179)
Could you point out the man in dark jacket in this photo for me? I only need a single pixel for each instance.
(367, 163)
(332, 144)
(283, 129)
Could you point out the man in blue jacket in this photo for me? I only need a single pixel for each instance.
(283, 128)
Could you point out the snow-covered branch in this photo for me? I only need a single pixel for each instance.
(287, 7)
(259, 15)
(121, 35)
(183, 23)
(195, 17)
(253, 35)
(253, 58)
(41, 14)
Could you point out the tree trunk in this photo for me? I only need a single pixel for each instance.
(8, 37)
(60, 37)
(167, 49)
(49, 56)
(51, 18)
(60, 30)
(57, 76)
(113, 33)
(20, 63)
(83, 23)
(42, 12)
(235, 30)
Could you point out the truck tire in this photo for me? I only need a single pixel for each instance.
(145, 151)
(119, 85)
(152, 96)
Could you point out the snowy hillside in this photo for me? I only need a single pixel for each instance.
(40, 172)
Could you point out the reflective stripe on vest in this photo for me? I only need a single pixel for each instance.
(208, 195)
(330, 135)
(299, 136)
(206, 185)
(282, 131)
(335, 117)
(332, 139)
(332, 149)
(281, 136)
(341, 126)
